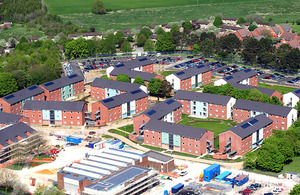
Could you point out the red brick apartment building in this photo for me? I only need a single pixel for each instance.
(56, 112)
(180, 138)
(245, 77)
(13, 103)
(267, 91)
(104, 88)
(283, 117)
(10, 119)
(190, 78)
(168, 110)
(205, 105)
(119, 107)
(245, 136)
(63, 88)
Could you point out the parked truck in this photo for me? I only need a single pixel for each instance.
(73, 140)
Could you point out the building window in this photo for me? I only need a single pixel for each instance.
(71, 122)
(190, 144)
(33, 115)
(33, 120)
(190, 150)
(183, 149)
(146, 135)
(71, 117)
(153, 137)
(182, 143)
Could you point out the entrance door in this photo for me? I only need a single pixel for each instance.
(128, 109)
(52, 117)
(171, 146)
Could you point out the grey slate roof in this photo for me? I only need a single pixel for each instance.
(202, 97)
(162, 109)
(61, 82)
(112, 84)
(262, 107)
(297, 92)
(251, 125)
(137, 63)
(185, 74)
(8, 118)
(158, 156)
(276, 30)
(146, 76)
(23, 94)
(177, 129)
(53, 105)
(11, 133)
(240, 76)
(286, 27)
(123, 98)
(263, 90)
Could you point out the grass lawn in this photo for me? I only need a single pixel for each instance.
(167, 73)
(107, 136)
(17, 166)
(128, 128)
(119, 132)
(18, 30)
(34, 164)
(216, 125)
(79, 11)
(282, 89)
(182, 154)
(153, 148)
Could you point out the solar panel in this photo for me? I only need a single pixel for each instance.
(180, 73)
(252, 122)
(32, 88)
(170, 101)
(48, 84)
(244, 126)
(297, 91)
(228, 78)
(247, 70)
(143, 59)
(201, 66)
(72, 76)
(9, 97)
(119, 65)
(151, 112)
(108, 100)
(136, 91)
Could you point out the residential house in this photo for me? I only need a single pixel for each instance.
(205, 105)
(283, 117)
(119, 107)
(245, 77)
(243, 33)
(86, 36)
(55, 112)
(287, 36)
(230, 21)
(285, 28)
(13, 103)
(276, 32)
(245, 136)
(104, 88)
(190, 78)
(63, 88)
(291, 99)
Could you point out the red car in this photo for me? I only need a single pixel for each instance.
(243, 192)
(248, 191)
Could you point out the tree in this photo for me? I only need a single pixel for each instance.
(174, 28)
(298, 21)
(207, 47)
(98, 7)
(149, 45)
(188, 26)
(141, 40)
(251, 49)
(291, 60)
(165, 88)
(139, 80)
(241, 20)
(164, 42)
(295, 190)
(106, 77)
(297, 107)
(218, 22)
(160, 31)
(196, 48)
(107, 46)
(130, 38)
(45, 190)
(7, 178)
(119, 36)
(270, 19)
(91, 47)
(21, 78)
(77, 48)
(23, 40)
(179, 39)
(123, 78)
(126, 47)
(252, 27)
(153, 86)
(250, 160)
(228, 44)
(8, 84)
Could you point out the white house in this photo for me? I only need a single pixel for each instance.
(290, 99)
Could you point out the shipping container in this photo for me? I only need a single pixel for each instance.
(74, 140)
(177, 188)
(211, 172)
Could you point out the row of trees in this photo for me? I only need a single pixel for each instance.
(252, 94)
(276, 151)
(30, 63)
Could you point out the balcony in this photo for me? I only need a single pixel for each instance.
(289, 104)
(227, 149)
(98, 118)
(87, 112)
(209, 142)
(97, 112)
(228, 143)
(142, 126)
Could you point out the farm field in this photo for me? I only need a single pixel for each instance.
(280, 11)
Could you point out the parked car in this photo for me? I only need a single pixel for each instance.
(279, 189)
(244, 192)
(256, 185)
(248, 191)
(270, 193)
(183, 173)
(251, 188)
(274, 191)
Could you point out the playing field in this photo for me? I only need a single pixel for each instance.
(79, 6)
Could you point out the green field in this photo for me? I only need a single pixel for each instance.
(167, 73)
(216, 125)
(128, 128)
(169, 11)
(281, 89)
(18, 31)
